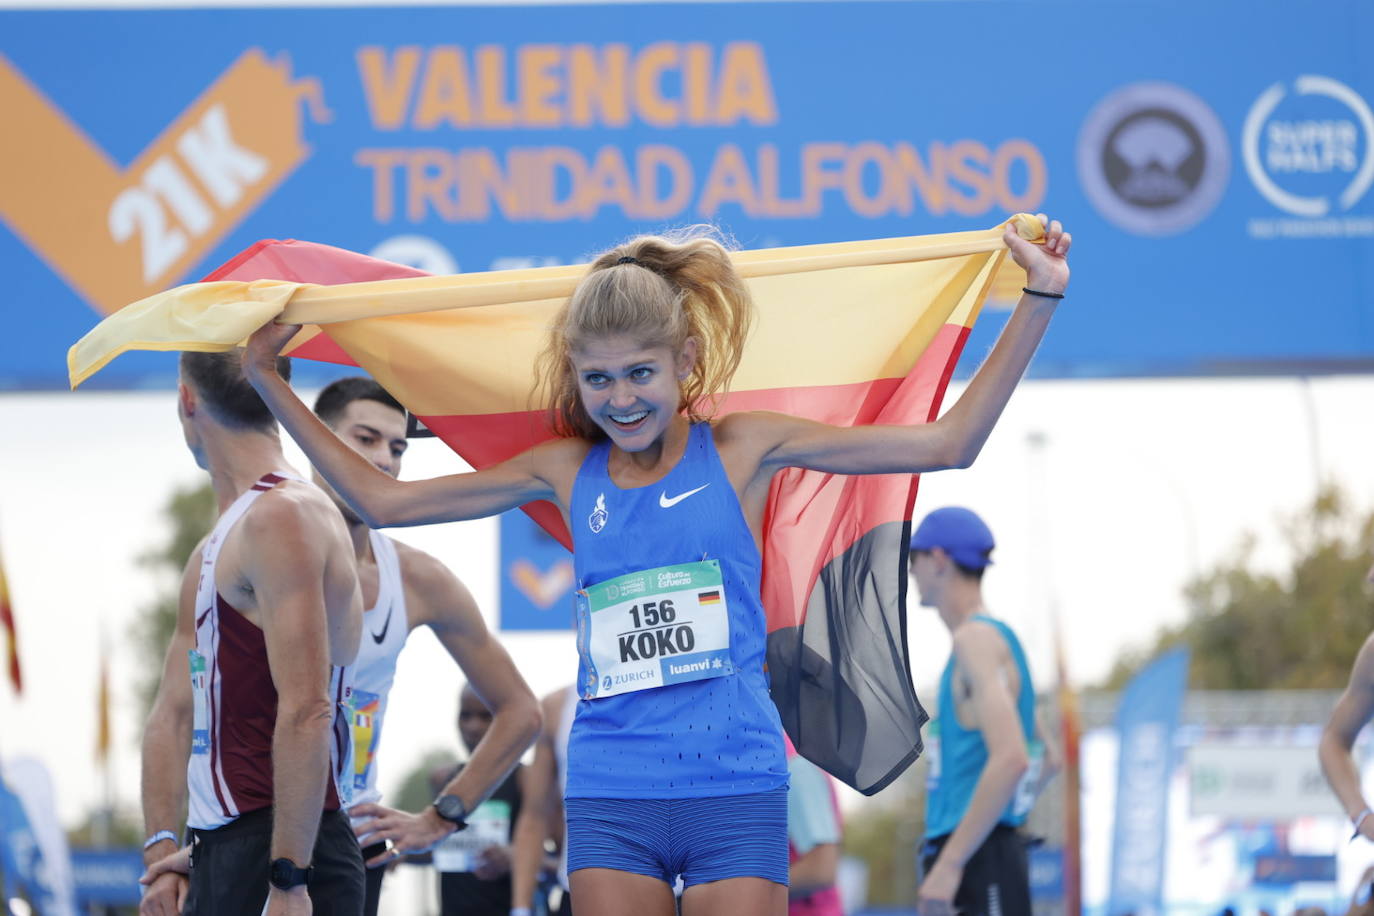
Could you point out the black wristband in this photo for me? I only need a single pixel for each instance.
(1039, 292)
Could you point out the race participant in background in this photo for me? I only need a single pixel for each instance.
(987, 763)
(814, 834)
(541, 816)
(1353, 711)
(662, 754)
(403, 589)
(254, 688)
(475, 865)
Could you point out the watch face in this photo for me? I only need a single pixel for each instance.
(451, 808)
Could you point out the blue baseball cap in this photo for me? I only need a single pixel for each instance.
(959, 532)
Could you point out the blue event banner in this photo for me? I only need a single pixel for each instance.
(1146, 719)
(1223, 213)
(107, 877)
(536, 577)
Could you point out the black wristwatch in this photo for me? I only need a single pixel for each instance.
(452, 809)
(285, 875)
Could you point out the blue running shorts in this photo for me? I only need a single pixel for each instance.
(701, 839)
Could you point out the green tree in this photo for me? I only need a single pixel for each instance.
(190, 513)
(415, 791)
(1251, 630)
(885, 834)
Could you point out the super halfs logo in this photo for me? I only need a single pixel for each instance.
(1308, 148)
(118, 234)
(597, 520)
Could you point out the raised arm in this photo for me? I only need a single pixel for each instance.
(293, 566)
(1353, 710)
(166, 748)
(980, 650)
(954, 440)
(380, 500)
(437, 599)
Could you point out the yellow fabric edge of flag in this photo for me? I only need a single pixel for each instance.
(499, 344)
(221, 314)
(411, 295)
(142, 325)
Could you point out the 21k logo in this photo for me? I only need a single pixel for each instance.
(117, 234)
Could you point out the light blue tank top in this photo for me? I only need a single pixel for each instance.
(719, 736)
(963, 753)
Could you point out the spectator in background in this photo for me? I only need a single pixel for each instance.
(541, 815)
(1353, 710)
(475, 864)
(983, 776)
(814, 833)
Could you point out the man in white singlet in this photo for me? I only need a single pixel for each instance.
(405, 588)
(252, 713)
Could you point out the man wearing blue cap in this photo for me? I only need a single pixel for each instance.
(979, 747)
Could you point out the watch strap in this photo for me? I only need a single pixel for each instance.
(286, 874)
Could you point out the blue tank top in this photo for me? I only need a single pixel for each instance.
(719, 736)
(963, 753)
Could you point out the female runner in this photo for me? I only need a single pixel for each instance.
(674, 768)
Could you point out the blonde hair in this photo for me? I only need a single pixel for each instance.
(660, 291)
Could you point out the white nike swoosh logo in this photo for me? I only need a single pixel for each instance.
(668, 503)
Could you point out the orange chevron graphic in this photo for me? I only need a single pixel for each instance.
(119, 234)
(542, 588)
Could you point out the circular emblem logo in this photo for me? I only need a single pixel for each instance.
(1153, 158)
(1311, 149)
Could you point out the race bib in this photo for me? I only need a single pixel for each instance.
(365, 734)
(932, 755)
(343, 781)
(200, 704)
(1029, 786)
(648, 629)
(488, 826)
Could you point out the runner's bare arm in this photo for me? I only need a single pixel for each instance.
(380, 500)
(291, 551)
(167, 734)
(1353, 710)
(166, 748)
(814, 870)
(445, 605)
(536, 808)
(955, 439)
(437, 599)
(979, 650)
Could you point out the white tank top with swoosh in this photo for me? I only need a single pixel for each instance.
(385, 628)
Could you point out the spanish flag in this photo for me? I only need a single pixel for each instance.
(11, 634)
(847, 333)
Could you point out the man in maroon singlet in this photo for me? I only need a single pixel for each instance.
(252, 713)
